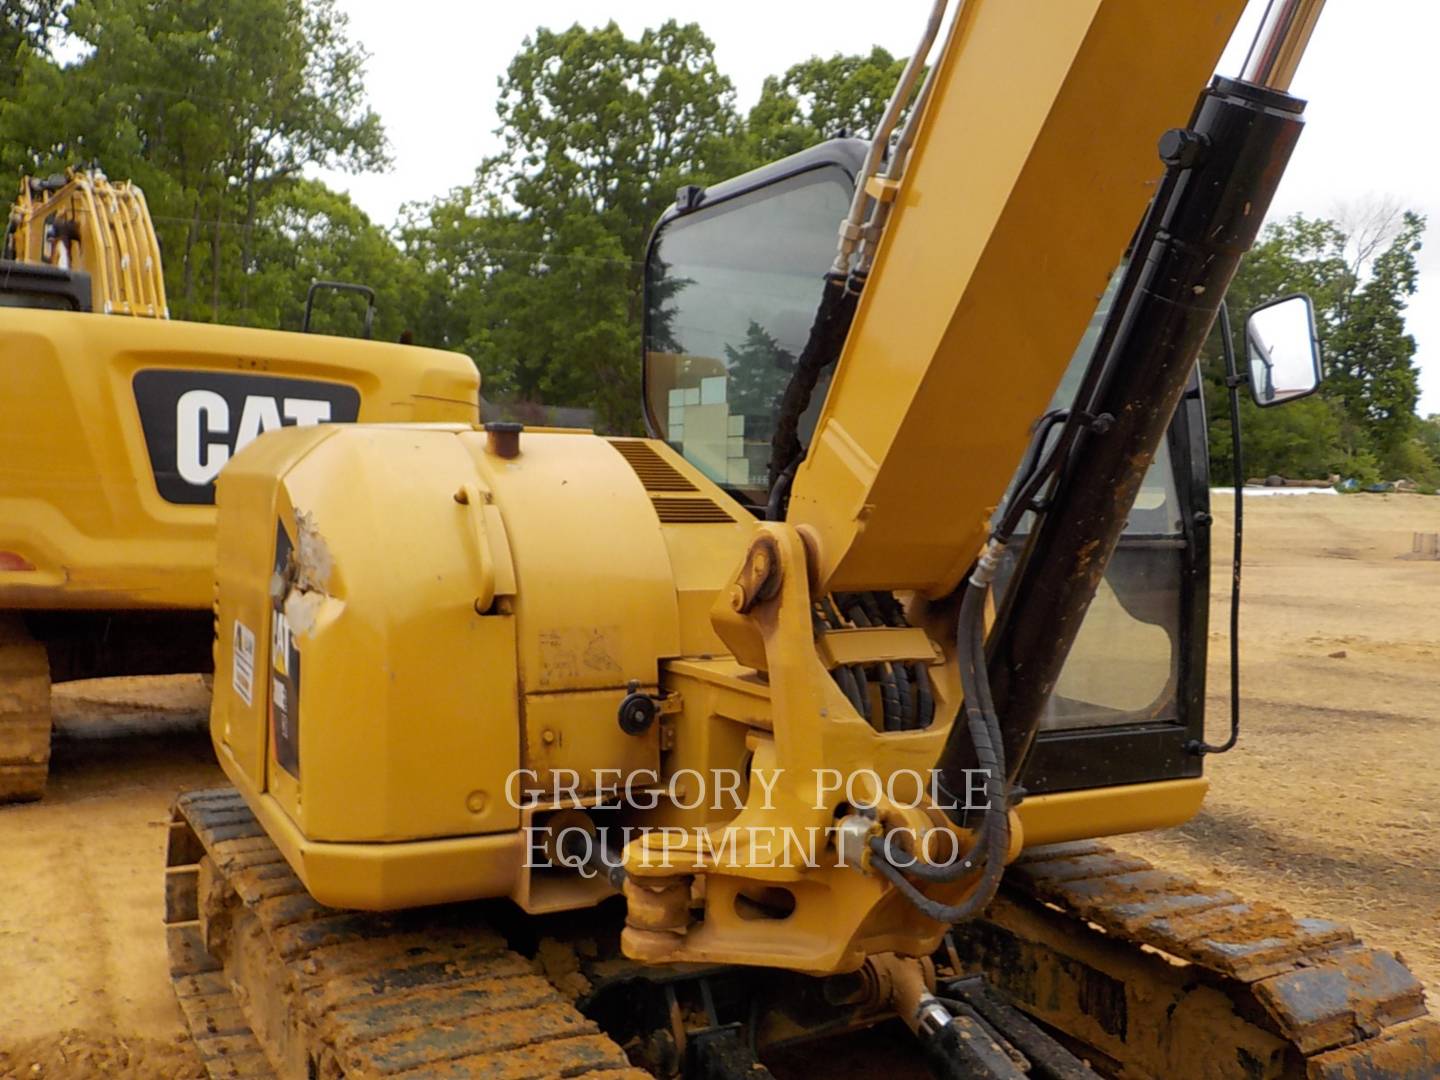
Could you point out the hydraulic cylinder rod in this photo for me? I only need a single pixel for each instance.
(1276, 51)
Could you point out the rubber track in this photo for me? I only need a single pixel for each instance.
(418, 995)
(24, 714)
(1348, 1010)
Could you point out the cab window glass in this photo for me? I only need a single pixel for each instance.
(731, 293)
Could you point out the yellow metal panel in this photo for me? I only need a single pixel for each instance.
(243, 567)
(1029, 174)
(77, 498)
(595, 595)
(580, 733)
(389, 877)
(875, 644)
(1082, 815)
(408, 712)
(701, 557)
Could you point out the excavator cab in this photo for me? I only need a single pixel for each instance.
(734, 277)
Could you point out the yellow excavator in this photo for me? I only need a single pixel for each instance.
(114, 421)
(80, 221)
(780, 742)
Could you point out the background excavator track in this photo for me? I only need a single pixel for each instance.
(327, 993)
(24, 713)
(1165, 977)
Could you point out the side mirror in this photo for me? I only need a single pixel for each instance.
(1283, 351)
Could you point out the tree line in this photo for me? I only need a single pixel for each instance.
(1359, 269)
(217, 107)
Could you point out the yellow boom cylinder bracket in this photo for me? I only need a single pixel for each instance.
(776, 886)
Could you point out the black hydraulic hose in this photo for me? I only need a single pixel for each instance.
(822, 349)
(920, 699)
(1032, 467)
(970, 649)
(862, 688)
(1233, 382)
(849, 687)
(891, 703)
(924, 696)
(780, 492)
(992, 840)
(974, 677)
(901, 674)
(889, 699)
(876, 613)
(892, 614)
(849, 678)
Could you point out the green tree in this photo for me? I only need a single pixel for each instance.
(1362, 422)
(541, 309)
(543, 254)
(27, 28)
(1370, 357)
(759, 370)
(306, 232)
(818, 99)
(210, 106)
(1301, 440)
(596, 123)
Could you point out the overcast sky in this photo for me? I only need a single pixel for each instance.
(1371, 76)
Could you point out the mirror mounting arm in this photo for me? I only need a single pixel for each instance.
(1234, 379)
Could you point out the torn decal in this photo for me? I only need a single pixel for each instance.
(284, 666)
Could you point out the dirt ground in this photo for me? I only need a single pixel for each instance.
(84, 984)
(1330, 806)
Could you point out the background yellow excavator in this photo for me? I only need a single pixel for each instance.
(81, 222)
(112, 430)
(562, 755)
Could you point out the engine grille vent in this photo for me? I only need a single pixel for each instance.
(658, 475)
(697, 511)
(655, 472)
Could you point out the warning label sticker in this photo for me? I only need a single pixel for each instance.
(243, 662)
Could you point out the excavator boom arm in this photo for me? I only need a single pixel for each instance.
(1034, 160)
